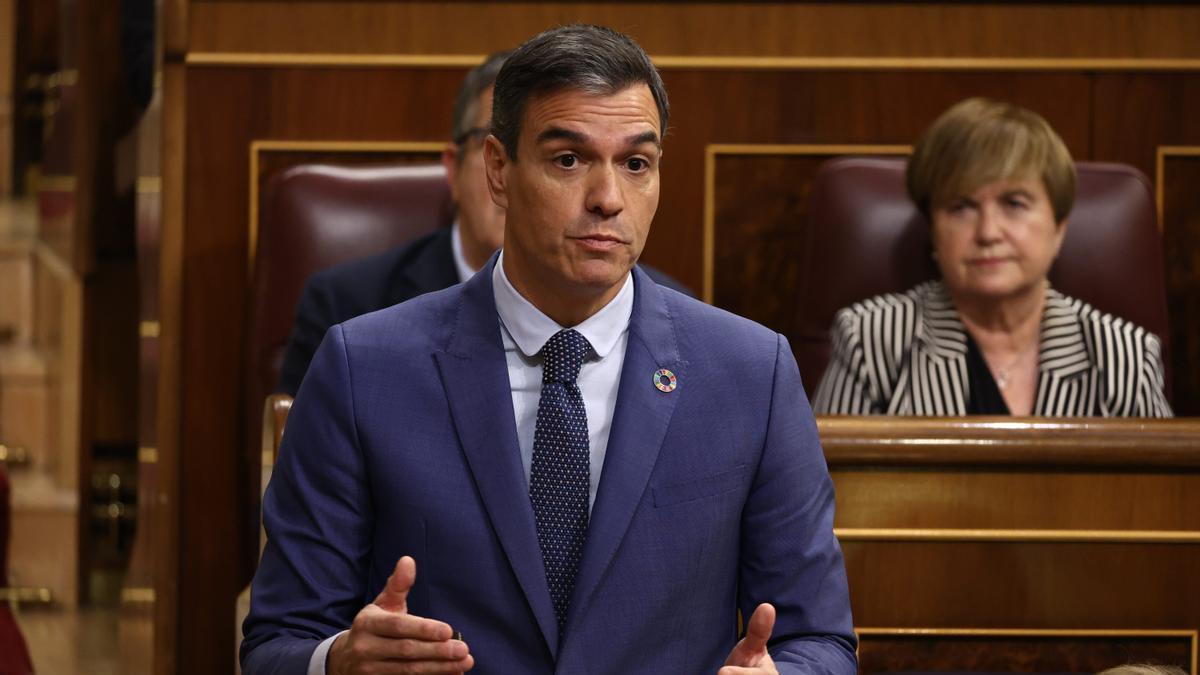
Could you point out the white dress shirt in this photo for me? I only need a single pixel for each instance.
(524, 329)
(464, 269)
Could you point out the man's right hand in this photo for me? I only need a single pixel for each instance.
(385, 638)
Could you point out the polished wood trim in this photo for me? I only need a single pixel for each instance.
(259, 146)
(1008, 441)
(14, 455)
(275, 413)
(712, 150)
(1193, 636)
(905, 534)
(175, 28)
(149, 184)
(137, 595)
(171, 393)
(1032, 632)
(258, 60)
(292, 59)
(807, 149)
(1160, 157)
(26, 595)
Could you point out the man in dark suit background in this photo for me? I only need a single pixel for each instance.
(432, 262)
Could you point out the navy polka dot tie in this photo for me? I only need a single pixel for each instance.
(558, 479)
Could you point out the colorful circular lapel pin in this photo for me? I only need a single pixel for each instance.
(665, 381)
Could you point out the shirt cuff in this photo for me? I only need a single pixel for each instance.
(316, 664)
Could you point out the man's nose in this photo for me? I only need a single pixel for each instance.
(604, 196)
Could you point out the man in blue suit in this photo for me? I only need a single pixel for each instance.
(593, 473)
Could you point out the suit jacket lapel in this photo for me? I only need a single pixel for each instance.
(639, 428)
(475, 376)
(1064, 352)
(944, 337)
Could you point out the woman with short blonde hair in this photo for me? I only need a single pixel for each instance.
(996, 184)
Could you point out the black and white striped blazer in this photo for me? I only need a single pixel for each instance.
(906, 354)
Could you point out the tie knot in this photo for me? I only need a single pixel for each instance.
(563, 354)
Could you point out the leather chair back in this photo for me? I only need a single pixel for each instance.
(316, 216)
(866, 237)
(312, 217)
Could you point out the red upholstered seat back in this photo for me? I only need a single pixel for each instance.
(316, 216)
(866, 237)
(313, 217)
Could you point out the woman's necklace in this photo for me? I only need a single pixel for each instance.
(1004, 375)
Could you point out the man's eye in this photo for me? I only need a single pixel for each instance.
(566, 161)
(1015, 203)
(637, 164)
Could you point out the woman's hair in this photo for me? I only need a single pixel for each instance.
(979, 141)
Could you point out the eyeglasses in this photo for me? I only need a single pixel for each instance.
(474, 132)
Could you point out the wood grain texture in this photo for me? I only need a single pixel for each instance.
(706, 28)
(1016, 653)
(169, 541)
(214, 113)
(1179, 183)
(1040, 585)
(759, 202)
(1032, 486)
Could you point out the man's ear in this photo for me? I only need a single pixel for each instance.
(495, 161)
(450, 162)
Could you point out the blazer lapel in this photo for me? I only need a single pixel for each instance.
(475, 376)
(1064, 353)
(941, 332)
(639, 428)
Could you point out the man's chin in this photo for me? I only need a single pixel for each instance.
(599, 275)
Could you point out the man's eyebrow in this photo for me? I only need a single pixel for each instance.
(646, 137)
(558, 133)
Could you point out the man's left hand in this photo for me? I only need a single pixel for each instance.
(749, 655)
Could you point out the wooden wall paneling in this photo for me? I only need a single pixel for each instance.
(1012, 499)
(1036, 584)
(887, 30)
(1178, 178)
(890, 650)
(174, 28)
(165, 534)
(1135, 119)
(756, 217)
(412, 103)
(8, 91)
(276, 105)
(1003, 523)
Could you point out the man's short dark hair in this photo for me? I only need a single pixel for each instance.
(476, 82)
(592, 59)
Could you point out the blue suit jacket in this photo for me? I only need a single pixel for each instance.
(713, 498)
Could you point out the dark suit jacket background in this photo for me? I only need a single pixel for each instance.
(358, 287)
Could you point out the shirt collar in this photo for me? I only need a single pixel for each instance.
(461, 266)
(530, 327)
